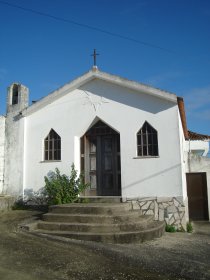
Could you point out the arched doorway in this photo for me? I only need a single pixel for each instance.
(100, 160)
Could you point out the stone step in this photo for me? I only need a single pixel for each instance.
(156, 229)
(95, 227)
(103, 222)
(99, 199)
(90, 208)
(129, 216)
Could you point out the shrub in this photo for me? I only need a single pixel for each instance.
(61, 189)
(170, 228)
(19, 205)
(189, 227)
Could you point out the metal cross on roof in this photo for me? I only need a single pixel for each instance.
(94, 57)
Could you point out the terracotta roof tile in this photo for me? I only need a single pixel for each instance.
(196, 136)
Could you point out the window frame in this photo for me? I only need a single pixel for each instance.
(147, 141)
(52, 146)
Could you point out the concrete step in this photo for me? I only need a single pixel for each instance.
(100, 199)
(156, 229)
(103, 222)
(90, 208)
(95, 227)
(129, 216)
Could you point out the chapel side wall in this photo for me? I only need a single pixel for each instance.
(2, 152)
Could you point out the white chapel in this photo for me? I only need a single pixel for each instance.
(129, 139)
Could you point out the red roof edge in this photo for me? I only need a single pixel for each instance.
(197, 136)
(180, 102)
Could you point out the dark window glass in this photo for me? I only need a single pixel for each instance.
(139, 139)
(145, 151)
(147, 141)
(144, 138)
(50, 155)
(150, 150)
(59, 154)
(155, 150)
(139, 150)
(155, 139)
(150, 138)
(52, 146)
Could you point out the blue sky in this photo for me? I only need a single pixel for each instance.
(170, 50)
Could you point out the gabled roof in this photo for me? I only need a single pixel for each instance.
(94, 73)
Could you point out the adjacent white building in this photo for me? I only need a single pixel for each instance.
(127, 138)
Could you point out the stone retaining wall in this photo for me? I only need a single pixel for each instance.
(168, 209)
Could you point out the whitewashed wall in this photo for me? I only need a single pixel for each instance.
(183, 164)
(196, 163)
(198, 147)
(14, 141)
(2, 148)
(14, 155)
(124, 110)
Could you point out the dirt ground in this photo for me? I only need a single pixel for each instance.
(29, 257)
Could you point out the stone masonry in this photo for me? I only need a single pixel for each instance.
(168, 209)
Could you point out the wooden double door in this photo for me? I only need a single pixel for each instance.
(102, 160)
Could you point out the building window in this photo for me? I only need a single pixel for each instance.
(147, 141)
(52, 146)
(15, 94)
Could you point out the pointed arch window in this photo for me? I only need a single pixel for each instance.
(52, 146)
(147, 141)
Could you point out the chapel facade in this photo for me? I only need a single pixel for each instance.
(129, 139)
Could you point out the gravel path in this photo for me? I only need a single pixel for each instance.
(29, 257)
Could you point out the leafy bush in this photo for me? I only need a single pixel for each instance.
(189, 227)
(19, 205)
(170, 228)
(61, 189)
